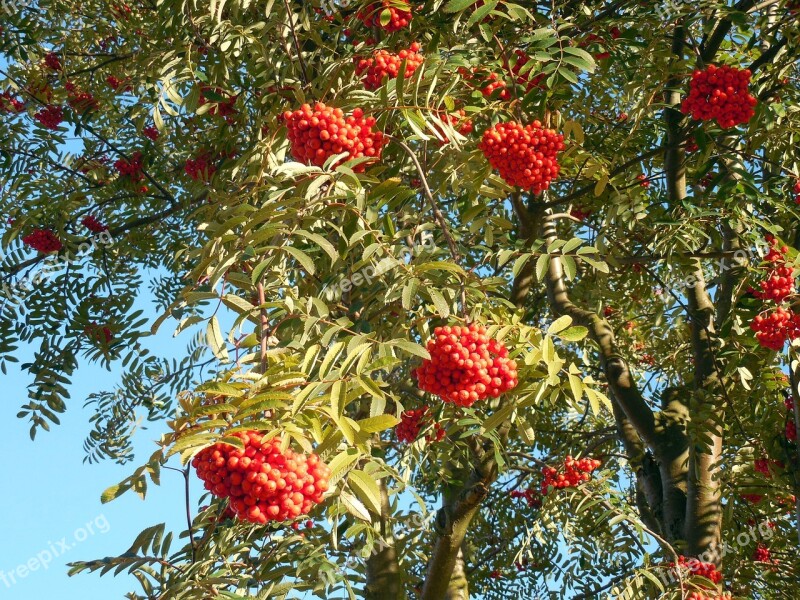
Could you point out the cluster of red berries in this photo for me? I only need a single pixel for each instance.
(99, 334)
(765, 466)
(530, 496)
(387, 64)
(117, 84)
(703, 596)
(466, 366)
(575, 472)
(399, 18)
(580, 213)
(79, 100)
(795, 189)
(150, 132)
(52, 61)
(201, 167)
(791, 431)
(412, 422)
(524, 155)
(50, 116)
(779, 283)
(774, 329)
(643, 180)
(700, 568)
(93, 224)
(131, 168)
(752, 498)
(720, 93)
(43, 240)
(322, 131)
(263, 482)
(10, 103)
(524, 78)
(762, 554)
(458, 121)
(222, 102)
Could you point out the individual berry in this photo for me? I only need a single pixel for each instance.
(524, 155)
(43, 240)
(398, 12)
(721, 94)
(263, 482)
(93, 224)
(50, 117)
(386, 64)
(466, 366)
(320, 132)
(574, 473)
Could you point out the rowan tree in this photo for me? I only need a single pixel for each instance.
(479, 297)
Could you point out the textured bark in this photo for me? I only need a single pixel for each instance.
(383, 570)
(459, 583)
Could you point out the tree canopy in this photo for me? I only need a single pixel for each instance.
(475, 298)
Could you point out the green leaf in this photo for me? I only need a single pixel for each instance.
(574, 334)
(441, 305)
(410, 293)
(411, 348)
(559, 324)
(454, 6)
(379, 423)
(215, 341)
(366, 490)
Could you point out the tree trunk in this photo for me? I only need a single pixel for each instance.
(383, 568)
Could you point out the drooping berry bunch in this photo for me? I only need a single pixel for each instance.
(765, 466)
(721, 94)
(322, 131)
(395, 13)
(43, 240)
(486, 82)
(531, 496)
(79, 100)
(762, 554)
(50, 116)
(573, 474)
(776, 328)
(52, 61)
(151, 133)
(201, 167)
(412, 422)
(699, 568)
(263, 482)
(93, 224)
(10, 104)
(387, 64)
(131, 168)
(524, 155)
(466, 366)
(779, 283)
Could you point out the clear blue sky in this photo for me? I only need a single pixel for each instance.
(51, 500)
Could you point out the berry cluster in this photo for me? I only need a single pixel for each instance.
(795, 189)
(43, 240)
(580, 213)
(79, 100)
(10, 103)
(702, 596)
(263, 482)
(222, 103)
(779, 283)
(458, 121)
(99, 334)
(466, 366)
(522, 75)
(386, 64)
(150, 132)
(524, 155)
(774, 329)
(752, 498)
(398, 18)
(764, 466)
(643, 180)
(52, 61)
(486, 82)
(201, 167)
(322, 131)
(93, 224)
(131, 168)
(762, 554)
(791, 431)
(575, 472)
(50, 116)
(700, 568)
(720, 93)
(531, 496)
(118, 84)
(412, 422)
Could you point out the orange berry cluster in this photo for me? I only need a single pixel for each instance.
(414, 420)
(93, 224)
(774, 329)
(700, 568)
(387, 64)
(50, 116)
(322, 131)
(720, 93)
(524, 155)
(466, 366)
(486, 82)
(263, 482)
(399, 18)
(780, 325)
(43, 240)
(575, 472)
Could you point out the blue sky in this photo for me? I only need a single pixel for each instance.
(51, 499)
